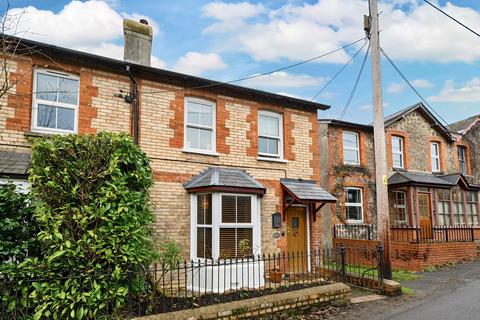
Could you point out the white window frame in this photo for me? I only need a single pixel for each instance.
(435, 158)
(357, 149)
(354, 204)
(21, 185)
(213, 136)
(404, 206)
(217, 223)
(36, 101)
(401, 153)
(270, 156)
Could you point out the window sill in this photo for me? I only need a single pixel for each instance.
(41, 133)
(272, 160)
(354, 222)
(356, 165)
(201, 152)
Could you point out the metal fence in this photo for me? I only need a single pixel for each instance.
(429, 234)
(355, 231)
(197, 283)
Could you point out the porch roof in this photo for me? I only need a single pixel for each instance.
(307, 191)
(14, 164)
(224, 179)
(413, 178)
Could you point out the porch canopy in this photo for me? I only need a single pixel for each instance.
(14, 164)
(400, 179)
(222, 179)
(305, 192)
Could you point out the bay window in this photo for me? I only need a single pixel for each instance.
(472, 207)
(270, 135)
(458, 210)
(225, 226)
(444, 209)
(398, 207)
(199, 125)
(55, 102)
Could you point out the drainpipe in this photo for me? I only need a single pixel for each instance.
(133, 99)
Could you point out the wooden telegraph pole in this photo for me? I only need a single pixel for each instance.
(383, 225)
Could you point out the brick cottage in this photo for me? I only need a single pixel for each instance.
(433, 191)
(235, 169)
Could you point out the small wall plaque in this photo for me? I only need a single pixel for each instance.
(276, 220)
(276, 235)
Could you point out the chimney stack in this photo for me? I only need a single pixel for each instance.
(138, 41)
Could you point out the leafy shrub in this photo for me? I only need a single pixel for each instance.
(93, 211)
(17, 229)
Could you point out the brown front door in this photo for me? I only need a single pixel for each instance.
(297, 239)
(425, 212)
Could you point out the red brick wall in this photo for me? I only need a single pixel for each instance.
(359, 252)
(416, 257)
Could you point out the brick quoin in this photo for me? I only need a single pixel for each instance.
(314, 148)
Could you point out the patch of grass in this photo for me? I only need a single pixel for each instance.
(408, 291)
(403, 275)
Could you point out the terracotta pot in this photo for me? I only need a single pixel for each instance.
(275, 276)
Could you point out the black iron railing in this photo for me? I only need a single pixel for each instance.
(196, 283)
(355, 231)
(429, 234)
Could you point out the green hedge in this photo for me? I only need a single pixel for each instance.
(93, 212)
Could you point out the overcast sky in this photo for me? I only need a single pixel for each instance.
(226, 40)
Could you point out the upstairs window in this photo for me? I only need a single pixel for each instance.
(397, 152)
(462, 159)
(351, 154)
(55, 102)
(435, 156)
(199, 125)
(353, 205)
(270, 135)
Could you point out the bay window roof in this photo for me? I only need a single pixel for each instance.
(226, 180)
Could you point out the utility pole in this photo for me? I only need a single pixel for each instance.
(383, 225)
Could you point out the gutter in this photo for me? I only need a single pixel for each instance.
(133, 99)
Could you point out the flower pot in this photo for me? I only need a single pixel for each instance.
(275, 276)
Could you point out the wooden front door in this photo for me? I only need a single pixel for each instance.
(425, 211)
(297, 239)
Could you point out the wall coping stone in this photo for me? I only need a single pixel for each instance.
(327, 292)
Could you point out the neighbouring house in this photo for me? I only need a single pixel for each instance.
(432, 171)
(236, 169)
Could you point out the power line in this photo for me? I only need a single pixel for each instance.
(412, 87)
(460, 23)
(338, 72)
(354, 89)
(261, 74)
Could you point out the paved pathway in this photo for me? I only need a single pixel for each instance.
(441, 295)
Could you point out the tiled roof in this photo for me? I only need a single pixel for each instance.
(223, 177)
(14, 163)
(418, 178)
(464, 125)
(307, 190)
